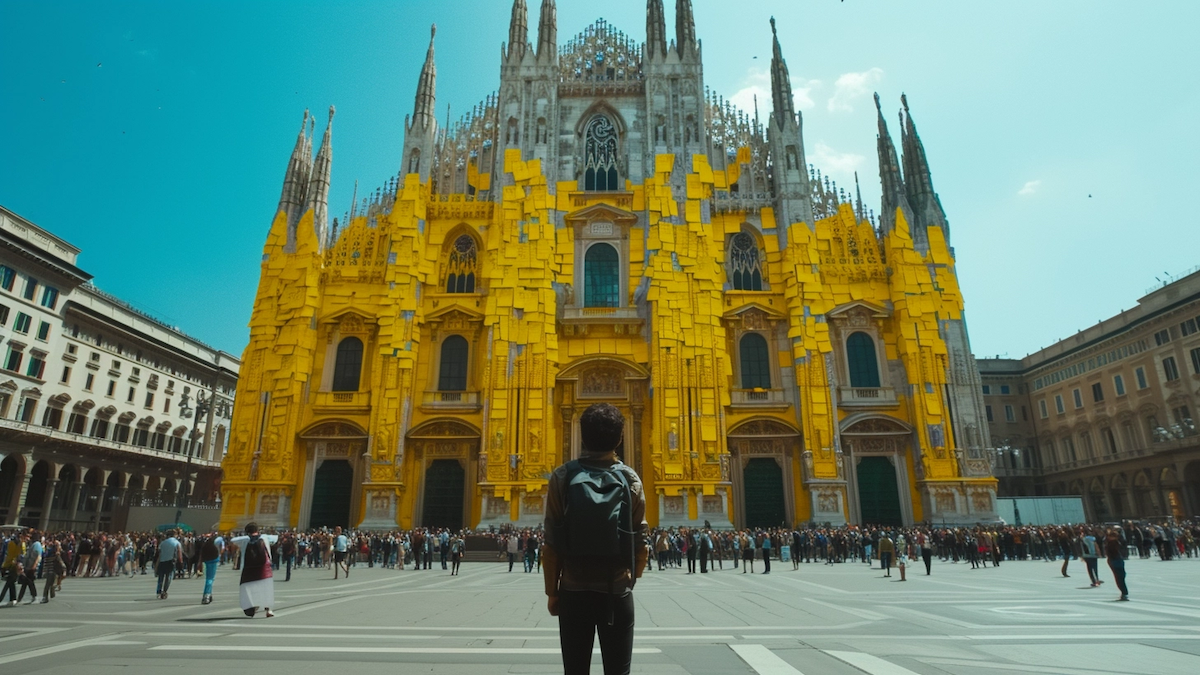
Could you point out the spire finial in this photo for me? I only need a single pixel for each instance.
(432, 31)
(518, 30)
(781, 82)
(904, 102)
(548, 30)
(423, 111)
(685, 26)
(773, 33)
(877, 106)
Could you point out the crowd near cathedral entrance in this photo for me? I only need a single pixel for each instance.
(605, 228)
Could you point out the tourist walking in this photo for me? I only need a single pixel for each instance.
(169, 554)
(257, 587)
(1112, 550)
(210, 554)
(887, 548)
(340, 546)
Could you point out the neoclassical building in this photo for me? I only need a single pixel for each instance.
(605, 228)
(1109, 413)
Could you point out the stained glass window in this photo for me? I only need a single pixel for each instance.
(460, 265)
(348, 366)
(452, 375)
(600, 155)
(601, 277)
(864, 365)
(755, 362)
(745, 263)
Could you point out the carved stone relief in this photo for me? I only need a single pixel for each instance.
(673, 506)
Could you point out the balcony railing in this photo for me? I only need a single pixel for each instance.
(343, 400)
(601, 315)
(49, 434)
(850, 397)
(458, 400)
(757, 397)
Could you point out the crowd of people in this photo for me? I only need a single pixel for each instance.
(33, 560)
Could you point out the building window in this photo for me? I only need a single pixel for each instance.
(1170, 370)
(31, 285)
(1010, 414)
(77, 423)
(861, 357)
(43, 331)
(1005, 390)
(1042, 409)
(1181, 415)
(1069, 449)
(52, 418)
(3, 315)
(99, 428)
(601, 277)
(988, 409)
(112, 387)
(1188, 327)
(141, 437)
(1110, 441)
(132, 392)
(1195, 354)
(50, 297)
(66, 375)
(452, 371)
(1119, 385)
(1162, 337)
(1058, 404)
(87, 384)
(1129, 434)
(348, 366)
(461, 265)
(167, 405)
(987, 390)
(121, 433)
(149, 399)
(754, 361)
(600, 156)
(745, 263)
(1078, 396)
(7, 277)
(28, 407)
(21, 325)
(13, 360)
(1097, 393)
(37, 366)
(1089, 450)
(1140, 374)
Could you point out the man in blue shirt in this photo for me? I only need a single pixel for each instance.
(340, 544)
(169, 554)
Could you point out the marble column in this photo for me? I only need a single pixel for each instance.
(73, 501)
(18, 498)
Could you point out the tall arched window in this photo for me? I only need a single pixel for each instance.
(348, 367)
(600, 155)
(860, 355)
(461, 264)
(452, 373)
(755, 362)
(745, 264)
(601, 277)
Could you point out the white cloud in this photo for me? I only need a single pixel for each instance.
(840, 165)
(758, 83)
(851, 86)
(1029, 188)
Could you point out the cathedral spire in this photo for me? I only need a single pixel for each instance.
(685, 27)
(891, 182)
(295, 179)
(423, 113)
(518, 30)
(918, 180)
(656, 29)
(317, 198)
(548, 30)
(781, 83)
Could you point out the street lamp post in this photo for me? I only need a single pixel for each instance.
(203, 405)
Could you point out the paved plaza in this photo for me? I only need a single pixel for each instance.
(1022, 617)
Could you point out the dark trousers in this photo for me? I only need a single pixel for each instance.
(1117, 565)
(691, 563)
(703, 561)
(766, 561)
(444, 554)
(662, 560)
(165, 572)
(583, 614)
(885, 561)
(512, 558)
(289, 559)
(28, 582)
(10, 585)
(927, 556)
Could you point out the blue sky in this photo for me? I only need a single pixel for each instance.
(1063, 136)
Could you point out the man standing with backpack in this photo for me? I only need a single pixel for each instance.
(595, 520)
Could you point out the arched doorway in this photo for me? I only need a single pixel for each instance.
(765, 505)
(333, 487)
(1191, 486)
(9, 470)
(338, 445)
(444, 485)
(878, 448)
(446, 453)
(763, 452)
(878, 494)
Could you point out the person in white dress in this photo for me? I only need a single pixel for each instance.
(257, 587)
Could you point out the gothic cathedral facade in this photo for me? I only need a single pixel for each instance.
(605, 229)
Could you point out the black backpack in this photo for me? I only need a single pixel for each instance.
(598, 514)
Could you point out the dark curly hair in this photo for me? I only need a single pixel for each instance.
(601, 428)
